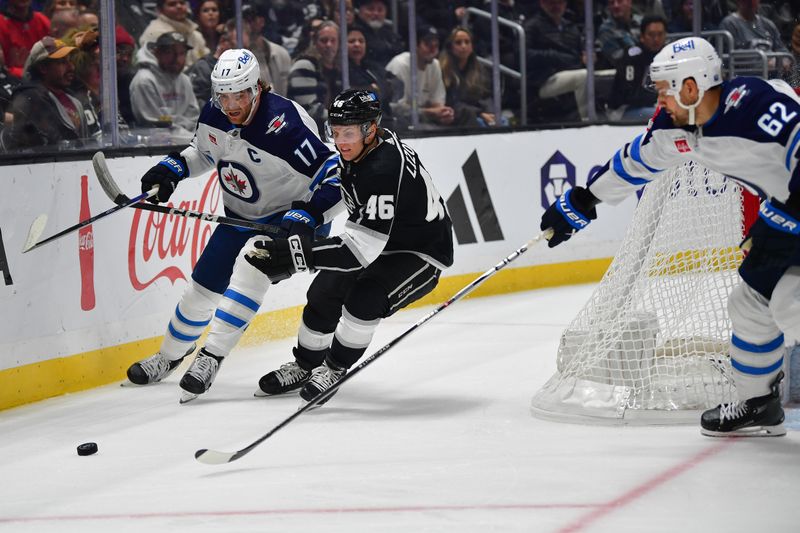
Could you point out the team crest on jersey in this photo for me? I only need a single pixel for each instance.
(237, 180)
(682, 145)
(735, 97)
(276, 124)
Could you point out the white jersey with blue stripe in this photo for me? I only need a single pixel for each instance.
(266, 165)
(753, 138)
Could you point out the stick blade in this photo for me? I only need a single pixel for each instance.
(213, 457)
(106, 180)
(35, 231)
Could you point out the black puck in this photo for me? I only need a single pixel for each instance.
(87, 448)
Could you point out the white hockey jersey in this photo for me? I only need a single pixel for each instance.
(265, 166)
(753, 138)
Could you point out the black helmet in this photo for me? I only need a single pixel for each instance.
(354, 106)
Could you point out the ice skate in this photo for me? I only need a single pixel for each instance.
(289, 377)
(154, 369)
(757, 417)
(200, 375)
(322, 378)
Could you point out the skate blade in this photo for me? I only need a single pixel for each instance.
(187, 397)
(755, 431)
(261, 394)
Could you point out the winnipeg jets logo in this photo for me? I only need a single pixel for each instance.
(237, 181)
(735, 97)
(276, 124)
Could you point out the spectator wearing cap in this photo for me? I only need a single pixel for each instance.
(431, 93)
(20, 28)
(274, 59)
(383, 43)
(315, 77)
(45, 114)
(125, 72)
(161, 94)
(173, 16)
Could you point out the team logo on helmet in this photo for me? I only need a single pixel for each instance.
(237, 180)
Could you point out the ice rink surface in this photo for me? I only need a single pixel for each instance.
(435, 436)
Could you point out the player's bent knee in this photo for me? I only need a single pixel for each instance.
(367, 300)
(785, 304)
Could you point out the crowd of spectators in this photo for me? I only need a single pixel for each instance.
(50, 64)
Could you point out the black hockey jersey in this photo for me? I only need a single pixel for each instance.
(393, 207)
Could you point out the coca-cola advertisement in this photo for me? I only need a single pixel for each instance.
(168, 246)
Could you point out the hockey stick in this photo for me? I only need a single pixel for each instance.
(37, 227)
(113, 191)
(213, 457)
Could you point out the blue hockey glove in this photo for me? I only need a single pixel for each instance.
(279, 259)
(774, 245)
(166, 174)
(301, 219)
(569, 214)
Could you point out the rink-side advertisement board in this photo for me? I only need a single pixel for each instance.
(75, 312)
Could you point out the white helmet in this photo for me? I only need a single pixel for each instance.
(690, 57)
(236, 70)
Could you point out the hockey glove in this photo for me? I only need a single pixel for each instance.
(301, 220)
(774, 245)
(279, 259)
(569, 214)
(166, 174)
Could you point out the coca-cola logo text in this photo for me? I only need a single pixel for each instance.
(158, 240)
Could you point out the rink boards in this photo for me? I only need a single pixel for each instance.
(76, 312)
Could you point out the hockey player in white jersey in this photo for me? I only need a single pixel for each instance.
(273, 168)
(748, 129)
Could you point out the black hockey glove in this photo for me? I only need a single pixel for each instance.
(301, 219)
(773, 243)
(569, 214)
(166, 174)
(279, 259)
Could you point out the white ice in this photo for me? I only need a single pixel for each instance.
(435, 436)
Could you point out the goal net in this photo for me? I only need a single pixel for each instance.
(651, 344)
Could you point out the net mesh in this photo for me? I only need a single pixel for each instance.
(650, 345)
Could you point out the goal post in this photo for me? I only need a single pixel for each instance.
(651, 344)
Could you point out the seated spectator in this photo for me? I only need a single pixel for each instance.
(20, 28)
(53, 6)
(207, 18)
(431, 94)
(367, 76)
(88, 19)
(273, 58)
(315, 77)
(63, 21)
(467, 85)
(132, 15)
(332, 13)
(443, 15)
(629, 98)
(617, 33)
(173, 16)
(125, 73)
(161, 94)
(712, 12)
(8, 84)
(383, 43)
(285, 22)
(45, 114)
(792, 76)
(752, 31)
(649, 7)
(556, 61)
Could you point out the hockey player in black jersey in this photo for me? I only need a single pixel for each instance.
(395, 244)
